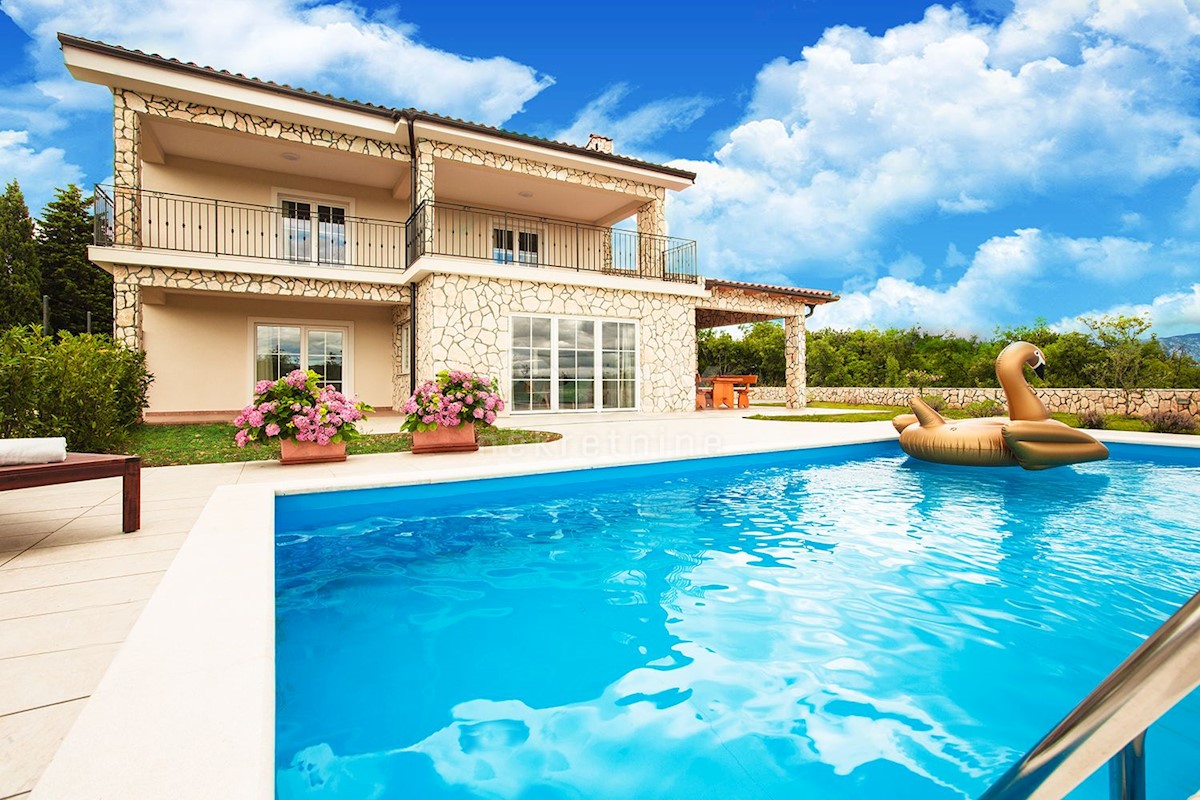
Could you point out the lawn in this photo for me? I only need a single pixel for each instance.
(171, 445)
(886, 413)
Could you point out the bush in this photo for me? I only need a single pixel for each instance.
(1169, 422)
(86, 388)
(985, 408)
(935, 401)
(1091, 418)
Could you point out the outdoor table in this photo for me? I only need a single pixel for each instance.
(85, 467)
(724, 387)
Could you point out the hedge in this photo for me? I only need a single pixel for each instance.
(85, 387)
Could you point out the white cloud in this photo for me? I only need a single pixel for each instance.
(632, 130)
(38, 172)
(1170, 314)
(1002, 277)
(865, 134)
(315, 45)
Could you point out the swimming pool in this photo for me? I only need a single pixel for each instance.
(835, 623)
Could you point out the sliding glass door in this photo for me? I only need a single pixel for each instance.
(573, 364)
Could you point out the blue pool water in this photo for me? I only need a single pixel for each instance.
(842, 623)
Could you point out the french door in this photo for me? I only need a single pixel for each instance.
(281, 348)
(573, 364)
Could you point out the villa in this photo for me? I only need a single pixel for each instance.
(253, 228)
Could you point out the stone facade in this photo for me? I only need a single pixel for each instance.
(129, 102)
(463, 323)
(401, 376)
(1070, 401)
(540, 169)
(728, 306)
(127, 174)
(128, 281)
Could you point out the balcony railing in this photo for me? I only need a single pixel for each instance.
(305, 233)
(451, 229)
(313, 233)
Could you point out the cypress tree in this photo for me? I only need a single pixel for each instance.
(74, 284)
(20, 278)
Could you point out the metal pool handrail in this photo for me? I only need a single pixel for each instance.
(1110, 724)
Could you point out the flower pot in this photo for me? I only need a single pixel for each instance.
(292, 451)
(459, 439)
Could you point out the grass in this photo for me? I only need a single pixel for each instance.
(173, 445)
(886, 413)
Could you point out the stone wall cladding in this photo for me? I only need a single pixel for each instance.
(401, 388)
(132, 103)
(463, 323)
(523, 166)
(242, 283)
(1070, 401)
(127, 173)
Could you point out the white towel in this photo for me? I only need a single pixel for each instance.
(32, 451)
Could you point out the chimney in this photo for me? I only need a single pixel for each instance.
(601, 144)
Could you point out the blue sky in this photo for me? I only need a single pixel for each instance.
(956, 167)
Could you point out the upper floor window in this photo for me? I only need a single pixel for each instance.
(525, 252)
(314, 232)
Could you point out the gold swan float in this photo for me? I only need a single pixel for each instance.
(1027, 437)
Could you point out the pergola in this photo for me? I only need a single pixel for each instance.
(738, 303)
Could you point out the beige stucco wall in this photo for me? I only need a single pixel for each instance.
(200, 349)
(259, 187)
(463, 323)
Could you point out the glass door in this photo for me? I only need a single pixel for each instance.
(619, 359)
(576, 364)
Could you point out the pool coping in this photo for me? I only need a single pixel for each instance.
(187, 708)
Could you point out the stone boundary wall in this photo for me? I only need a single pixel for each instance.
(1111, 401)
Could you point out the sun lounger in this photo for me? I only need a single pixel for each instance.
(85, 467)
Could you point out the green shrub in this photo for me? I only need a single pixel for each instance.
(985, 408)
(1170, 422)
(935, 401)
(1091, 418)
(87, 388)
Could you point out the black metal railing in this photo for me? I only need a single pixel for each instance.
(308, 233)
(503, 237)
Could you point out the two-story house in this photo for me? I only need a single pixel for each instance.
(252, 228)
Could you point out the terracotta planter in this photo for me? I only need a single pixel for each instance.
(460, 439)
(294, 452)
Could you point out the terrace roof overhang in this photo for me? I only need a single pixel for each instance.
(740, 303)
(121, 68)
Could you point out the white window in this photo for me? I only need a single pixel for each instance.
(280, 348)
(513, 244)
(314, 231)
(570, 364)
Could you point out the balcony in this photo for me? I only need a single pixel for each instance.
(297, 233)
(460, 231)
(318, 235)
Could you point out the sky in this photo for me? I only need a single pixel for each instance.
(956, 167)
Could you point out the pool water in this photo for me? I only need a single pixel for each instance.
(837, 623)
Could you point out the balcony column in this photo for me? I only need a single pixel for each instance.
(127, 310)
(796, 391)
(127, 173)
(652, 225)
(401, 319)
(423, 165)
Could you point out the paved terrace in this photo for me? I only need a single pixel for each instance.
(72, 585)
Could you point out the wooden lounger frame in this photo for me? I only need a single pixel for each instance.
(85, 467)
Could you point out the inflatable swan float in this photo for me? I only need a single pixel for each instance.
(1027, 437)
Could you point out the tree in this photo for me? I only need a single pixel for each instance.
(74, 284)
(20, 277)
(1124, 360)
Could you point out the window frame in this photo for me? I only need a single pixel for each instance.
(598, 376)
(512, 226)
(305, 325)
(314, 200)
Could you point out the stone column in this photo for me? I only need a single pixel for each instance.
(652, 226)
(401, 317)
(127, 173)
(793, 354)
(127, 310)
(423, 164)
